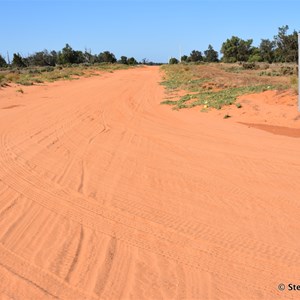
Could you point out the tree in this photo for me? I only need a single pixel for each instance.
(195, 56)
(3, 62)
(18, 61)
(230, 49)
(89, 57)
(123, 60)
(184, 58)
(106, 57)
(79, 57)
(236, 49)
(42, 58)
(36, 59)
(266, 50)
(145, 61)
(131, 61)
(66, 56)
(69, 56)
(255, 55)
(286, 45)
(53, 57)
(244, 50)
(211, 55)
(173, 61)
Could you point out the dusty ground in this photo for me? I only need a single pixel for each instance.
(106, 194)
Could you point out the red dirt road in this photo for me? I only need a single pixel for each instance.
(106, 194)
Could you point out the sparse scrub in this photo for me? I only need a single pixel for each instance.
(294, 84)
(32, 75)
(233, 69)
(227, 96)
(250, 65)
(271, 73)
(287, 70)
(3, 80)
(66, 64)
(212, 86)
(12, 77)
(24, 82)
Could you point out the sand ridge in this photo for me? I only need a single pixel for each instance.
(106, 194)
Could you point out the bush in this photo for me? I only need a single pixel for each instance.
(173, 61)
(288, 71)
(48, 69)
(250, 65)
(254, 58)
(34, 71)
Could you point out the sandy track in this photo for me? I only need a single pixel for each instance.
(106, 194)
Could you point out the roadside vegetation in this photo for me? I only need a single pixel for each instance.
(212, 85)
(201, 74)
(66, 64)
(206, 80)
(38, 75)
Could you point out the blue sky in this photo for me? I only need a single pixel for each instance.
(144, 29)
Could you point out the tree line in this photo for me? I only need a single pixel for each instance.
(67, 56)
(283, 48)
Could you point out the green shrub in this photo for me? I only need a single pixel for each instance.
(254, 58)
(286, 70)
(250, 65)
(49, 69)
(173, 61)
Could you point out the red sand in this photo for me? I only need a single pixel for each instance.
(272, 111)
(106, 194)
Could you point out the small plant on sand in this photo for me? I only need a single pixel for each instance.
(20, 91)
(169, 102)
(238, 105)
(227, 116)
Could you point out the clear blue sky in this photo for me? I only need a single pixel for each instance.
(142, 28)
